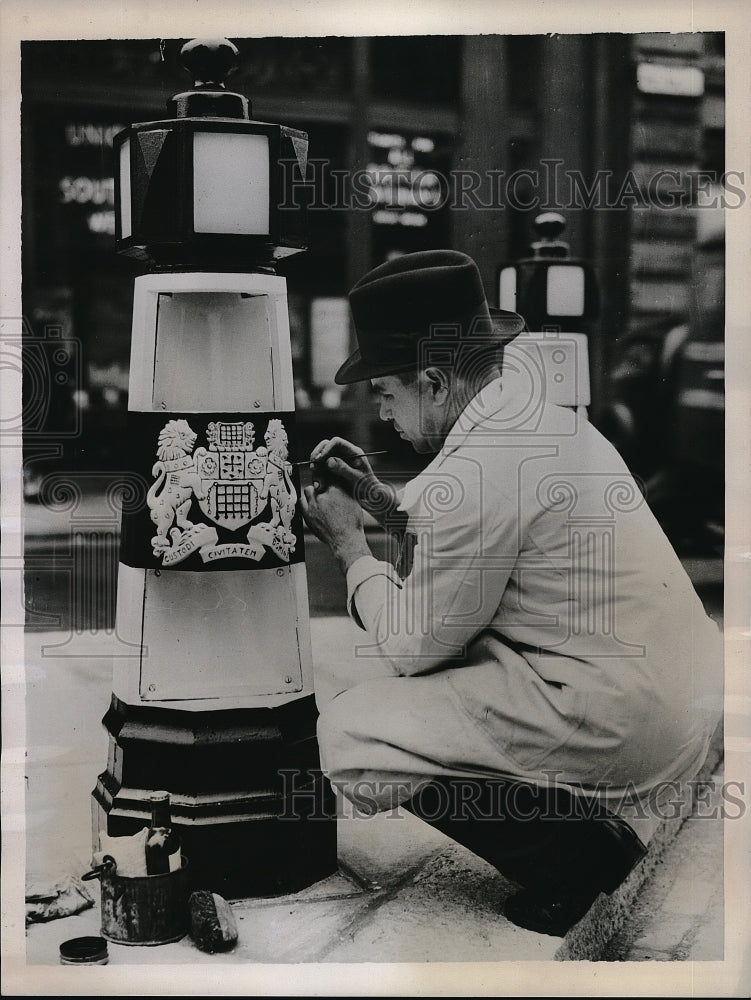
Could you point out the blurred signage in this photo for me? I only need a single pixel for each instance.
(408, 176)
(91, 134)
(667, 79)
(68, 221)
(405, 178)
(75, 193)
(97, 191)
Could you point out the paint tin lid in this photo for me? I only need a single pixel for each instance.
(84, 951)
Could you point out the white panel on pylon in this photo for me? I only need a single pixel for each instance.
(219, 635)
(213, 345)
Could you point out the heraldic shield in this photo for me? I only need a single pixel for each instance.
(232, 475)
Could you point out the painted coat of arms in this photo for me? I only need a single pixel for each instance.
(232, 482)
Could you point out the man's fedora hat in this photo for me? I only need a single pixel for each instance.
(409, 299)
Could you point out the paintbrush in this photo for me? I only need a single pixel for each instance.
(367, 454)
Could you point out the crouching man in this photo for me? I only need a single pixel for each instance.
(538, 672)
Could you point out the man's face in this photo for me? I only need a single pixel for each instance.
(410, 409)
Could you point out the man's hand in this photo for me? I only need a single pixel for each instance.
(336, 519)
(342, 462)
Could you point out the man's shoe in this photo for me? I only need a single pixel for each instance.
(548, 914)
(621, 851)
(555, 909)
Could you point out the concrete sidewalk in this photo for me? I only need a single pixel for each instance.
(404, 892)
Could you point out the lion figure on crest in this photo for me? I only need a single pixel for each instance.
(177, 480)
(278, 486)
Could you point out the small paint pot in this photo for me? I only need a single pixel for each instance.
(84, 951)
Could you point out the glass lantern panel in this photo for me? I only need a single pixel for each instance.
(565, 290)
(507, 289)
(125, 220)
(231, 183)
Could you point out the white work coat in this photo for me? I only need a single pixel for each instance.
(546, 625)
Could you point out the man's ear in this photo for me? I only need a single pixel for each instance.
(439, 383)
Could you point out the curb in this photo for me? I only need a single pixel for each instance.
(587, 940)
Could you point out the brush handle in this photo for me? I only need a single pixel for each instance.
(366, 454)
